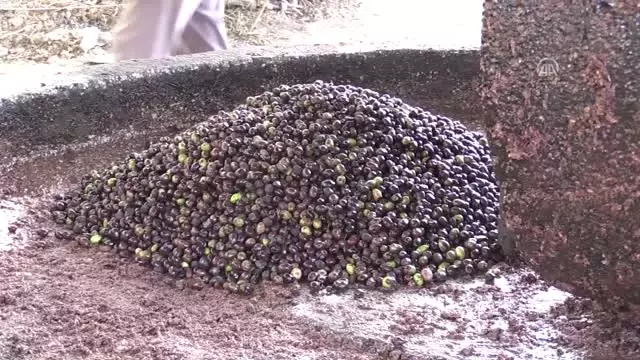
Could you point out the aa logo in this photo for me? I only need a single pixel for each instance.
(547, 68)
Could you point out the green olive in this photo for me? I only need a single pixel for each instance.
(296, 273)
(95, 239)
(235, 198)
(443, 266)
(205, 147)
(350, 268)
(388, 281)
(422, 249)
(306, 231)
(418, 279)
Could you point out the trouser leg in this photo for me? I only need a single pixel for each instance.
(206, 31)
(151, 28)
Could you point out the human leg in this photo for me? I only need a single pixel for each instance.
(206, 31)
(151, 28)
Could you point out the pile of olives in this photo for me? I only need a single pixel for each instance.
(332, 185)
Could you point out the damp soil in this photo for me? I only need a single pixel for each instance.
(60, 299)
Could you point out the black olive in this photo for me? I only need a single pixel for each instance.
(326, 184)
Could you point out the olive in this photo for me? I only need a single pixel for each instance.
(325, 184)
(451, 256)
(440, 275)
(482, 265)
(389, 281)
(418, 279)
(427, 274)
(443, 245)
(95, 239)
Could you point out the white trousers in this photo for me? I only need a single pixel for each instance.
(151, 29)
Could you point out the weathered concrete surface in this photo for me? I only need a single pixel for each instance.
(99, 98)
(568, 155)
(154, 98)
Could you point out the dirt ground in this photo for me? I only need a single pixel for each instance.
(62, 300)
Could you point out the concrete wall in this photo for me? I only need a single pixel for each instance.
(152, 98)
(561, 85)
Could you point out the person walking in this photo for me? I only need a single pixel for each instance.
(152, 29)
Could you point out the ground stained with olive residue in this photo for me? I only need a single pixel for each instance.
(62, 300)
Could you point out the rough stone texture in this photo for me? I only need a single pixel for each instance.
(568, 155)
(104, 98)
